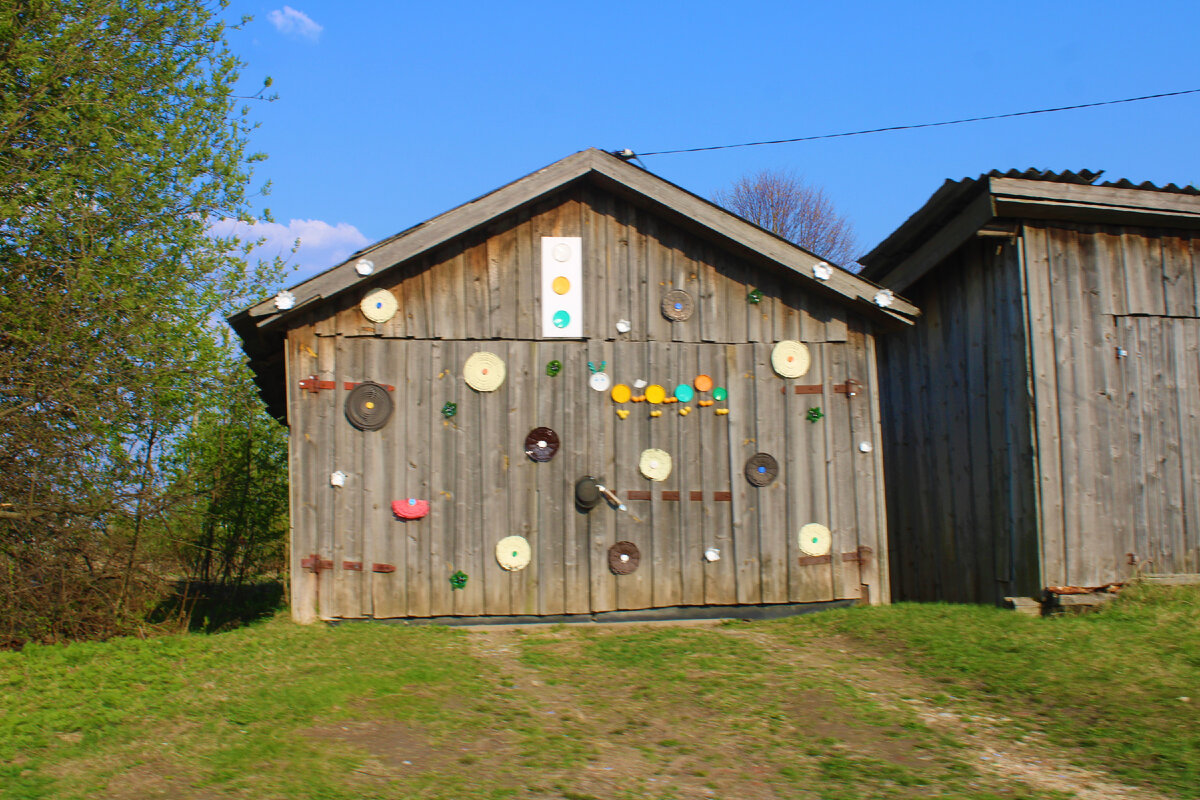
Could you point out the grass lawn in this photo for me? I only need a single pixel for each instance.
(900, 702)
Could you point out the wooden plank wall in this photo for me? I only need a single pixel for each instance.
(479, 295)
(1118, 435)
(956, 428)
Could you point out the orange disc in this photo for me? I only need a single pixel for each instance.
(621, 393)
(655, 394)
(703, 383)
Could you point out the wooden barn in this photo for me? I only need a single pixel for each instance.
(1041, 419)
(456, 393)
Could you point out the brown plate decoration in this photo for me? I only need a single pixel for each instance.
(623, 558)
(541, 444)
(761, 469)
(368, 406)
(677, 305)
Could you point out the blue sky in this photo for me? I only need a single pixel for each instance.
(392, 112)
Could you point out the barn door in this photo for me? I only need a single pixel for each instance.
(1161, 366)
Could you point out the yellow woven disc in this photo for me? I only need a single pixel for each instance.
(378, 305)
(790, 358)
(815, 539)
(655, 394)
(484, 372)
(655, 464)
(621, 393)
(513, 553)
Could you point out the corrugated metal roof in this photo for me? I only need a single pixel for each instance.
(954, 195)
(1084, 177)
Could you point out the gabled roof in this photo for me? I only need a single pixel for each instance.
(959, 209)
(261, 325)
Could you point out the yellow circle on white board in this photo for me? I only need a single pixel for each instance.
(561, 285)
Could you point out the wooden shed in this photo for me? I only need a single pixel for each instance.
(572, 300)
(1041, 419)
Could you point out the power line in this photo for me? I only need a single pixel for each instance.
(914, 127)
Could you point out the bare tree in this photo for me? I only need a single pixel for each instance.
(784, 204)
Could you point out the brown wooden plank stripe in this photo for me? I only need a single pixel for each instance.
(807, 388)
(723, 497)
(697, 495)
(383, 568)
(670, 494)
(353, 566)
(809, 561)
(638, 494)
(850, 387)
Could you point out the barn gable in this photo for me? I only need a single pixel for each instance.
(590, 189)
(1044, 411)
(708, 531)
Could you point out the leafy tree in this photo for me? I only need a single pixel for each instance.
(121, 140)
(784, 204)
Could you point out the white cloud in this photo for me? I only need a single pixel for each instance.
(321, 245)
(293, 22)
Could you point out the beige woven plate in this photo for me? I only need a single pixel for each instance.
(484, 372)
(815, 539)
(655, 464)
(379, 305)
(790, 358)
(513, 553)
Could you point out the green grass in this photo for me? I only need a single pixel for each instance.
(742, 709)
(1109, 683)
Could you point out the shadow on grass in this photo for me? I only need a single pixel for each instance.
(214, 607)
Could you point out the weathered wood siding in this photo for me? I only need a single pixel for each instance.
(962, 519)
(1118, 436)
(481, 294)
(1022, 450)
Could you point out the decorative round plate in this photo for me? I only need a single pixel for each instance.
(684, 393)
(541, 444)
(790, 358)
(815, 539)
(513, 553)
(655, 464)
(677, 305)
(719, 394)
(410, 508)
(703, 383)
(368, 406)
(484, 372)
(621, 393)
(599, 381)
(378, 305)
(623, 558)
(655, 394)
(761, 469)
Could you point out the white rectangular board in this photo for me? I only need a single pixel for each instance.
(562, 287)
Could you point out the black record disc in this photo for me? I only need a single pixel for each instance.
(368, 406)
(761, 469)
(541, 444)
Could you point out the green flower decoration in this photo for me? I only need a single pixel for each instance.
(449, 410)
(755, 297)
(553, 368)
(458, 580)
(814, 414)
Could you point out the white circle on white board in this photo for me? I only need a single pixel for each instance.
(562, 251)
